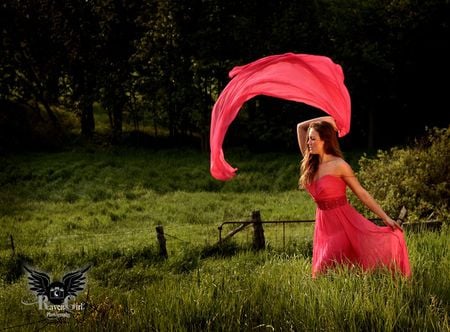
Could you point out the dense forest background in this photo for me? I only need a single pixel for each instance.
(157, 66)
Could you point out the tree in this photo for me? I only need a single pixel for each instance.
(391, 52)
(30, 58)
(118, 31)
(79, 33)
(168, 60)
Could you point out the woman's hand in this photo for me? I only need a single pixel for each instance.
(392, 223)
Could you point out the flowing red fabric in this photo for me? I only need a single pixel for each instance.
(312, 79)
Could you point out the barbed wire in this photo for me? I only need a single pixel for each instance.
(84, 235)
(87, 235)
(5, 243)
(172, 236)
(27, 324)
(54, 240)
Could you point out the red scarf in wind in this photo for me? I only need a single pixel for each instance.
(310, 79)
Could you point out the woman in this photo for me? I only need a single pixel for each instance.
(341, 234)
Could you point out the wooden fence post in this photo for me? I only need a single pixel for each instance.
(402, 215)
(162, 241)
(13, 248)
(258, 231)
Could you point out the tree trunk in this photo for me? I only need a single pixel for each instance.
(117, 123)
(51, 115)
(87, 119)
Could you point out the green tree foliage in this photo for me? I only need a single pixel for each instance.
(392, 53)
(30, 62)
(417, 177)
(166, 61)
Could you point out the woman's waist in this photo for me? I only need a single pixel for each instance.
(331, 203)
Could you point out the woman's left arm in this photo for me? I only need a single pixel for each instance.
(363, 195)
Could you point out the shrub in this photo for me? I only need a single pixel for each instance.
(416, 177)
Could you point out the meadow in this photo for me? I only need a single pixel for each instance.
(63, 210)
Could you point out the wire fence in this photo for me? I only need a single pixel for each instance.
(278, 234)
(281, 234)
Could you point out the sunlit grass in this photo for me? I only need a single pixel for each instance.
(70, 209)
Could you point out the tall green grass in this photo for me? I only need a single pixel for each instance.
(68, 209)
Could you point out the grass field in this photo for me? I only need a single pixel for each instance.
(91, 206)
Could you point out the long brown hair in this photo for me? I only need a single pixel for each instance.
(310, 162)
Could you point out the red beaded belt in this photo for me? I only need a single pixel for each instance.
(328, 204)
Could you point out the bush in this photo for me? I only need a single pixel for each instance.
(416, 177)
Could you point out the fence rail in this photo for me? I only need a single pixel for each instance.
(258, 235)
(244, 224)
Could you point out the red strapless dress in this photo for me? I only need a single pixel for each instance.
(344, 236)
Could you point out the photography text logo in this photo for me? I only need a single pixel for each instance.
(54, 297)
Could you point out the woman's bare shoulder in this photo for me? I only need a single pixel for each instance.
(343, 167)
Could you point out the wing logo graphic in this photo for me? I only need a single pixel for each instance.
(56, 292)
